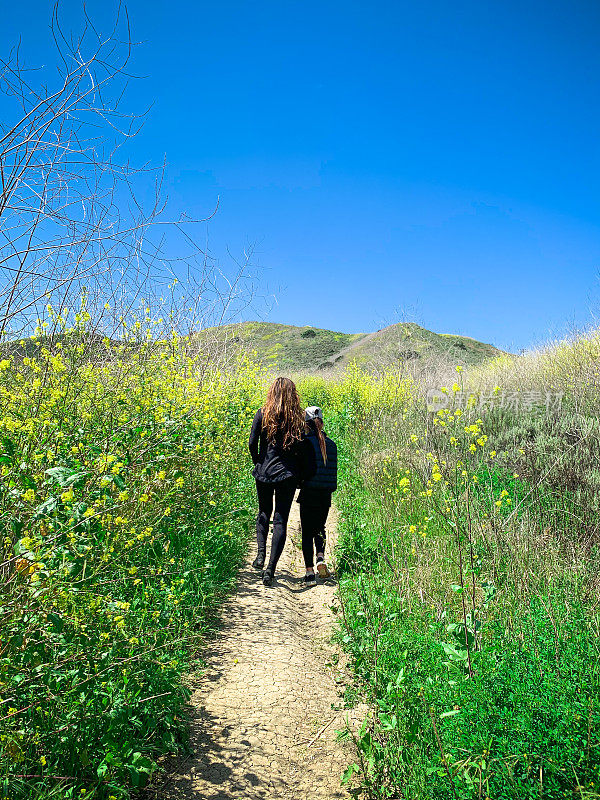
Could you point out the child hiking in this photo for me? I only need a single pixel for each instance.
(282, 458)
(315, 495)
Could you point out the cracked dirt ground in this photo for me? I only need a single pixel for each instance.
(263, 724)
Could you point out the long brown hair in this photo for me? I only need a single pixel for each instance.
(282, 413)
(317, 424)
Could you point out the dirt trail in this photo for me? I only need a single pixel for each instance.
(353, 345)
(264, 726)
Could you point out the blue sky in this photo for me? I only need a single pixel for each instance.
(433, 161)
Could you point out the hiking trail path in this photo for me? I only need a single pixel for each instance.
(268, 705)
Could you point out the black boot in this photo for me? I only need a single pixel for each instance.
(259, 561)
(268, 576)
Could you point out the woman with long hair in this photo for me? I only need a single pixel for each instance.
(315, 494)
(280, 457)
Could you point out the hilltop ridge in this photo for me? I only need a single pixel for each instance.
(309, 348)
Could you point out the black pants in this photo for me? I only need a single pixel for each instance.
(313, 519)
(284, 495)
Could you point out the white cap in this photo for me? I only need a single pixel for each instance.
(313, 412)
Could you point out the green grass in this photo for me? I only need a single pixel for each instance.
(310, 349)
(472, 630)
(414, 345)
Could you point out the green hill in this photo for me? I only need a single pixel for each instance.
(306, 348)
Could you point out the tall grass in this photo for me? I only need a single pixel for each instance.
(124, 493)
(469, 593)
(571, 365)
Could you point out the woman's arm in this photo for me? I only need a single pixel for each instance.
(255, 435)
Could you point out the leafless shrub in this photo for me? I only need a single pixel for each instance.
(77, 219)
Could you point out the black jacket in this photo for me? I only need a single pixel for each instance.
(317, 488)
(273, 463)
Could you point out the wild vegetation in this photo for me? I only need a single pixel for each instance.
(468, 558)
(469, 583)
(468, 563)
(125, 498)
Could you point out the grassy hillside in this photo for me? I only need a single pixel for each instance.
(285, 346)
(309, 349)
(409, 342)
